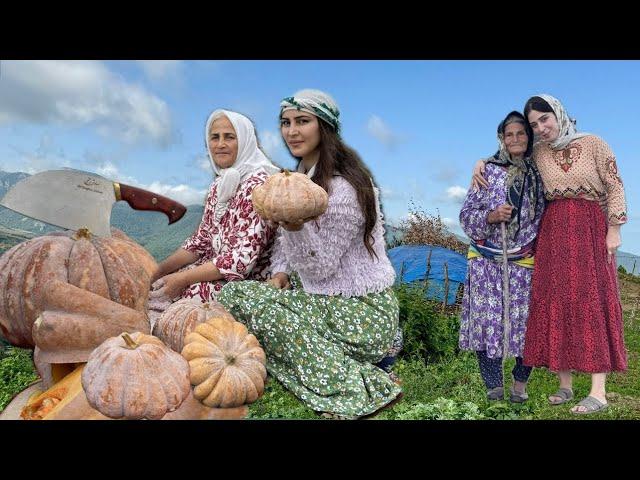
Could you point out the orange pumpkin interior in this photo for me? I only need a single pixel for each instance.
(47, 403)
(61, 370)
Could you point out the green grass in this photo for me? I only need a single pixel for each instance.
(452, 389)
(16, 372)
(441, 383)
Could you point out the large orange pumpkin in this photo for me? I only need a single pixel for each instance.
(289, 197)
(227, 364)
(135, 376)
(179, 319)
(49, 272)
(66, 400)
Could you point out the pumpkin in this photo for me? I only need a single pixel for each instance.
(192, 409)
(63, 397)
(79, 322)
(135, 376)
(179, 319)
(227, 364)
(32, 273)
(289, 197)
(71, 404)
(51, 373)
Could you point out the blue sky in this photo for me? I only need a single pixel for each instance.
(419, 125)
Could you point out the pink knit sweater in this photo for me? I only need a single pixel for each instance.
(329, 254)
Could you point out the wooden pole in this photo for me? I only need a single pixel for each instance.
(446, 286)
(428, 271)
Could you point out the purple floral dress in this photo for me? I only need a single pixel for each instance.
(481, 321)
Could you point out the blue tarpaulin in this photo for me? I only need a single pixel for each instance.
(411, 262)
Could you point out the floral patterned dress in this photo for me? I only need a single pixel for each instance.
(239, 245)
(481, 323)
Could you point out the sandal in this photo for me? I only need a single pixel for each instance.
(564, 394)
(591, 404)
(496, 393)
(516, 397)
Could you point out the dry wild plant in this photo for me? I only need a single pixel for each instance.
(422, 228)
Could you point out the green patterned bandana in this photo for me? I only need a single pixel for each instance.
(315, 102)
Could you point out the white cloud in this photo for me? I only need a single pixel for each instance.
(46, 157)
(275, 148)
(109, 170)
(204, 163)
(456, 193)
(378, 129)
(271, 142)
(182, 193)
(82, 93)
(162, 70)
(453, 224)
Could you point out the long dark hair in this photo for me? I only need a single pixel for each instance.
(538, 104)
(338, 158)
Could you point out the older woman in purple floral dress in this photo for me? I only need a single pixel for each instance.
(515, 197)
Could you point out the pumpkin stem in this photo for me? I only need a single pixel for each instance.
(129, 341)
(82, 233)
(206, 306)
(230, 359)
(286, 172)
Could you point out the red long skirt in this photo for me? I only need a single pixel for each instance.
(575, 316)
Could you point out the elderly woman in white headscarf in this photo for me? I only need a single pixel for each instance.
(232, 241)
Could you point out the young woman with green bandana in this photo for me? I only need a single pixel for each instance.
(323, 340)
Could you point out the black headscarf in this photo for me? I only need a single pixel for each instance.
(522, 174)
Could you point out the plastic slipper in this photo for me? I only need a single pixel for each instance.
(565, 394)
(591, 404)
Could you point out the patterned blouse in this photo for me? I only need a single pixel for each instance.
(239, 245)
(586, 168)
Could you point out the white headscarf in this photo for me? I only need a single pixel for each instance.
(568, 132)
(249, 161)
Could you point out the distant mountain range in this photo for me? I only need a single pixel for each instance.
(150, 229)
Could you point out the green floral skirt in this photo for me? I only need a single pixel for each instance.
(321, 347)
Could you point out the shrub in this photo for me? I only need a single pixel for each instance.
(428, 334)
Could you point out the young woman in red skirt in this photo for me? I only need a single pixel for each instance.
(575, 316)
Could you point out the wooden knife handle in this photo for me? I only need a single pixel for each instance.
(140, 199)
